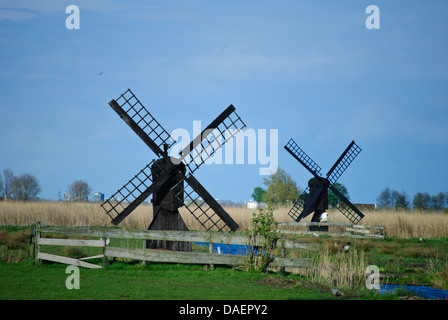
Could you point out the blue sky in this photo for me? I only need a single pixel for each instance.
(310, 69)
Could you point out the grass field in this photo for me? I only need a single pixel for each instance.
(151, 282)
(401, 257)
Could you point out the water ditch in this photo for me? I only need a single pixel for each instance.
(420, 291)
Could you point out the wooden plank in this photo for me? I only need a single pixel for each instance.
(197, 257)
(329, 224)
(190, 236)
(332, 234)
(306, 224)
(292, 262)
(92, 257)
(71, 242)
(66, 260)
(291, 244)
(174, 256)
(358, 230)
(360, 226)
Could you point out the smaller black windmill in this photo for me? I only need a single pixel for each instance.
(316, 196)
(166, 178)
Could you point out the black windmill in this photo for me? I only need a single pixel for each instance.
(170, 179)
(317, 196)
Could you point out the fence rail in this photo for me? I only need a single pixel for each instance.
(159, 255)
(339, 229)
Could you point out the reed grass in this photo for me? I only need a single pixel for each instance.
(401, 224)
(342, 270)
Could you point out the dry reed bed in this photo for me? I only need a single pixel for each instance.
(403, 224)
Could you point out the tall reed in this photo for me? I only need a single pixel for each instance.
(339, 270)
(403, 224)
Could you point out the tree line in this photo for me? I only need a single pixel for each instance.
(26, 187)
(393, 199)
(281, 189)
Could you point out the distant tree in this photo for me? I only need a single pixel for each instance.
(258, 194)
(421, 201)
(8, 175)
(281, 188)
(341, 188)
(79, 190)
(446, 200)
(438, 201)
(1, 186)
(24, 187)
(392, 199)
(384, 200)
(401, 200)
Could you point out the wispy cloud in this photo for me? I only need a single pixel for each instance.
(16, 14)
(14, 10)
(231, 64)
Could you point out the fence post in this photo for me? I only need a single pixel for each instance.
(283, 254)
(210, 249)
(36, 238)
(104, 252)
(32, 242)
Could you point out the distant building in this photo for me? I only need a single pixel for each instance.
(66, 197)
(252, 205)
(98, 197)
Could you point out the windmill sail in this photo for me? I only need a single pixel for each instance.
(303, 158)
(206, 210)
(138, 118)
(298, 206)
(343, 162)
(340, 202)
(133, 193)
(212, 138)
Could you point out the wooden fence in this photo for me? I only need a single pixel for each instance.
(105, 234)
(335, 229)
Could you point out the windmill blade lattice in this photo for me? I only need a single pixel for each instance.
(130, 109)
(302, 157)
(299, 205)
(343, 162)
(340, 202)
(212, 138)
(204, 208)
(133, 193)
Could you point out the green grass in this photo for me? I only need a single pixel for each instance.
(120, 280)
